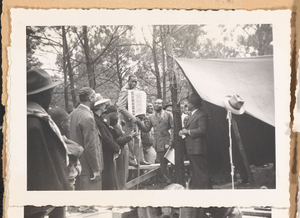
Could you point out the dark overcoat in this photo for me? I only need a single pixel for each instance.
(110, 147)
(46, 157)
(195, 144)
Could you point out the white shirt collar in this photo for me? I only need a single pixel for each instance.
(194, 111)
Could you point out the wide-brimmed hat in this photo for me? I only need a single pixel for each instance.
(195, 99)
(100, 100)
(39, 80)
(235, 104)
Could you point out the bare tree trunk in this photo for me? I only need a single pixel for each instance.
(71, 77)
(118, 69)
(89, 63)
(178, 142)
(157, 74)
(65, 69)
(70, 68)
(163, 64)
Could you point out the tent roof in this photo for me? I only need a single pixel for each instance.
(251, 78)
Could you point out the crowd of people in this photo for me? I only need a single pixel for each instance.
(92, 147)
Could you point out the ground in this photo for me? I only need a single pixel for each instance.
(264, 177)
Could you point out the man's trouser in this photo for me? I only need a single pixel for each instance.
(164, 165)
(85, 183)
(200, 178)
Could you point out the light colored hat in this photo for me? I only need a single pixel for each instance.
(235, 104)
(100, 99)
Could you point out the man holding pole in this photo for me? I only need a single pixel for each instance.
(195, 143)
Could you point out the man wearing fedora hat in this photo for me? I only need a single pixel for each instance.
(84, 132)
(47, 158)
(195, 142)
(46, 150)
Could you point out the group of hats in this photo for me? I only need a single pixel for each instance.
(39, 80)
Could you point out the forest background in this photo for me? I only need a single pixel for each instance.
(102, 57)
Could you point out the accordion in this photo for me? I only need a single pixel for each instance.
(137, 102)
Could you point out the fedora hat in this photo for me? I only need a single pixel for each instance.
(100, 99)
(39, 80)
(235, 104)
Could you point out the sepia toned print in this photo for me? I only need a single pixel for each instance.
(152, 212)
(128, 109)
(228, 76)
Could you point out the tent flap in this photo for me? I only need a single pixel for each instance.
(250, 78)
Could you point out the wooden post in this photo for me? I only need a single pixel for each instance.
(242, 151)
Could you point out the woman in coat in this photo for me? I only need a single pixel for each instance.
(110, 147)
(122, 140)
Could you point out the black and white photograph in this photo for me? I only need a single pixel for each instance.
(142, 107)
(147, 212)
(187, 105)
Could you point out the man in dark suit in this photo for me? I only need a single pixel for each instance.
(161, 122)
(84, 132)
(195, 143)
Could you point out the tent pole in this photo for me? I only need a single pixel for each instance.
(229, 117)
(242, 151)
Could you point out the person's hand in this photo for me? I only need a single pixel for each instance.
(97, 176)
(180, 133)
(134, 120)
(134, 134)
(185, 132)
(167, 146)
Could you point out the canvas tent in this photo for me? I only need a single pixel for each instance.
(253, 80)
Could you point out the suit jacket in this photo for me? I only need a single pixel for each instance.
(198, 125)
(161, 126)
(83, 131)
(46, 157)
